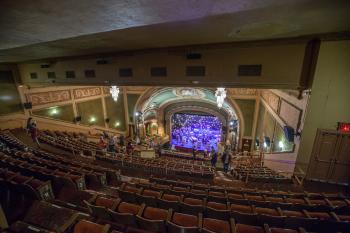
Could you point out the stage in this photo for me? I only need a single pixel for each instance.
(202, 132)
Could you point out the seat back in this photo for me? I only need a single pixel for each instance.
(191, 209)
(127, 196)
(164, 204)
(174, 228)
(157, 226)
(98, 212)
(84, 226)
(149, 201)
(245, 218)
(123, 218)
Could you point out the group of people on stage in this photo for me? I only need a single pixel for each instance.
(202, 132)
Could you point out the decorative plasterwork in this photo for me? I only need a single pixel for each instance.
(242, 91)
(187, 92)
(86, 92)
(290, 114)
(48, 97)
(271, 99)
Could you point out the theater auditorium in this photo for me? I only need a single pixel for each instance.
(175, 116)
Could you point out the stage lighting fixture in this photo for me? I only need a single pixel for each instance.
(265, 144)
(281, 144)
(92, 119)
(53, 111)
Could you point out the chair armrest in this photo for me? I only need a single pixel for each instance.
(106, 228)
(335, 216)
(200, 220)
(267, 228)
(233, 226)
(143, 206)
(169, 215)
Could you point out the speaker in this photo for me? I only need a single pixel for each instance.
(107, 120)
(289, 133)
(77, 119)
(267, 141)
(194, 56)
(257, 142)
(45, 66)
(28, 105)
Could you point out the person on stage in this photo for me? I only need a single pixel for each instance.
(214, 157)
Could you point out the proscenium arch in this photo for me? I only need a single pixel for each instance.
(146, 99)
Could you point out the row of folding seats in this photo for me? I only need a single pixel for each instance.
(265, 198)
(28, 186)
(117, 211)
(46, 217)
(195, 203)
(157, 166)
(113, 176)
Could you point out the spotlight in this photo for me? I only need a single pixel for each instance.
(265, 145)
(137, 113)
(92, 119)
(54, 111)
(281, 144)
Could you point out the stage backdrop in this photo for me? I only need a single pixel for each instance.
(192, 130)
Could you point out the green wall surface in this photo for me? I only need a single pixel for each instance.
(247, 107)
(63, 112)
(259, 126)
(329, 102)
(91, 112)
(116, 113)
(10, 100)
(132, 99)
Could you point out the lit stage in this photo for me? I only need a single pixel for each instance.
(199, 131)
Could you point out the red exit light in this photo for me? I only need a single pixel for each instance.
(344, 127)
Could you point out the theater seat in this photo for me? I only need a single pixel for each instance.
(183, 223)
(128, 208)
(170, 201)
(217, 210)
(281, 230)
(153, 219)
(192, 206)
(242, 208)
(85, 226)
(185, 220)
(125, 213)
(106, 202)
(214, 225)
(242, 228)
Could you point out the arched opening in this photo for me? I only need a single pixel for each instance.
(158, 107)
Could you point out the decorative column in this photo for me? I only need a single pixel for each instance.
(126, 110)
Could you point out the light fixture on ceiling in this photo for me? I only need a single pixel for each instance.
(220, 95)
(114, 90)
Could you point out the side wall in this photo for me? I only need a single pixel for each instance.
(329, 102)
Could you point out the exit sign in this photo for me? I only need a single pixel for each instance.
(343, 127)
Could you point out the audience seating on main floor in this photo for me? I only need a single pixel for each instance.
(131, 207)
